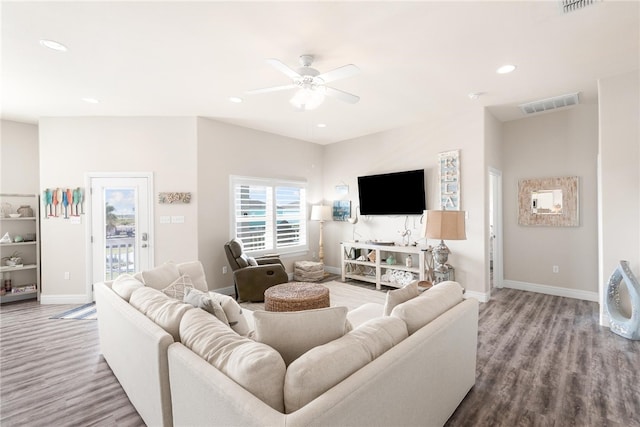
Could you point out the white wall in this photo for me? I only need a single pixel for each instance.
(560, 143)
(225, 150)
(619, 176)
(414, 147)
(19, 159)
(71, 147)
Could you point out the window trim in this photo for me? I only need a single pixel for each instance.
(272, 183)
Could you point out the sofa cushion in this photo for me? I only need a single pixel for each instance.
(421, 310)
(161, 276)
(195, 271)
(166, 312)
(255, 366)
(233, 311)
(202, 300)
(179, 287)
(324, 366)
(125, 284)
(364, 313)
(398, 296)
(293, 333)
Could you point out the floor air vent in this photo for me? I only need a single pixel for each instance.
(571, 5)
(550, 103)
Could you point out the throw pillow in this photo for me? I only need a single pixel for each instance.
(161, 276)
(202, 300)
(179, 287)
(398, 296)
(233, 311)
(124, 285)
(252, 261)
(196, 272)
(295, 332)
(324, 366)
(421, 310)
(255, 366)
(166, 312)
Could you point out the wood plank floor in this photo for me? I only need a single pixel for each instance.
(542, 361)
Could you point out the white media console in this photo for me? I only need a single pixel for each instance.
(376, 267)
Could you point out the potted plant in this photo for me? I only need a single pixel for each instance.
(13, 260)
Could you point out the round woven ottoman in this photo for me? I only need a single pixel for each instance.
(296, 296)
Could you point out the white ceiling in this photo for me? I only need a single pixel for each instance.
(418, 60)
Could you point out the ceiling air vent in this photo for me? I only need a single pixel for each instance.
(550, 103)
(572, 5)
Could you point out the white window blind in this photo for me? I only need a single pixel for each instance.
(269, 215)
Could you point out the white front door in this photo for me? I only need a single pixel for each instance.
(121, 218)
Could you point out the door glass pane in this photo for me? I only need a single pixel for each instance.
(120, 231)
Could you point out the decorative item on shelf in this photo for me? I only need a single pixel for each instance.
(391, 260)
(25, 211)
(6, 208)
(13, 260)
(174, 197)
(371, 256)
(443, 225)
(6, 238)
(320, 213)
(449, 173)
(409, 261)
(14, 215)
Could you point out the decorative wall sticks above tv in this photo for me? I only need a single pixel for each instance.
(63, 202)
(174, 197)
(449, 173)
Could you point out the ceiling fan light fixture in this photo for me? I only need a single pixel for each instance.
(307, 99)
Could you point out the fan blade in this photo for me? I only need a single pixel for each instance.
(271, 89)
(339, 73)
(342, 95)
(278, 65)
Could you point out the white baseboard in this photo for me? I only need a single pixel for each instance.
(480, 296)
(64, 299)
(551, 290)
(332, 270)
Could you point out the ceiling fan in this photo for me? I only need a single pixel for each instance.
(310, 83)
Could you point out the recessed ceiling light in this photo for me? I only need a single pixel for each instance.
(90, 100)
(321, 125)
(506, 69)
(52, 44)
(235, 99)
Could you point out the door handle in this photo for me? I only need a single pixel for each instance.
(144, 245)
(145, 237)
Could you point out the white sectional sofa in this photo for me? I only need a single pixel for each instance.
(410, 368)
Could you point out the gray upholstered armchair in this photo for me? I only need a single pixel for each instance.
(252, 276)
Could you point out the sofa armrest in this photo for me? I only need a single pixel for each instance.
(201, 395)
(135, 349)
(251, 282)
(269, 259)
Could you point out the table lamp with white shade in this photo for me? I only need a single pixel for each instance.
(320, 213)
(443, 225)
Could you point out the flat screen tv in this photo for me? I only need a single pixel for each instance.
(398, 193)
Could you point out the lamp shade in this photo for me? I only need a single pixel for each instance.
(444, 225)
(320, 213)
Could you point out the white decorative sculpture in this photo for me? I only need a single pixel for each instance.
(619, 323)
(6, 238)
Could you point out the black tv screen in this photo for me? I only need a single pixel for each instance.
(399, 193)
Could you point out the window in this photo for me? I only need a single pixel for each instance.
(268, 214)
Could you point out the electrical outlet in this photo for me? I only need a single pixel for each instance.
(224, 270)
(556, 269)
